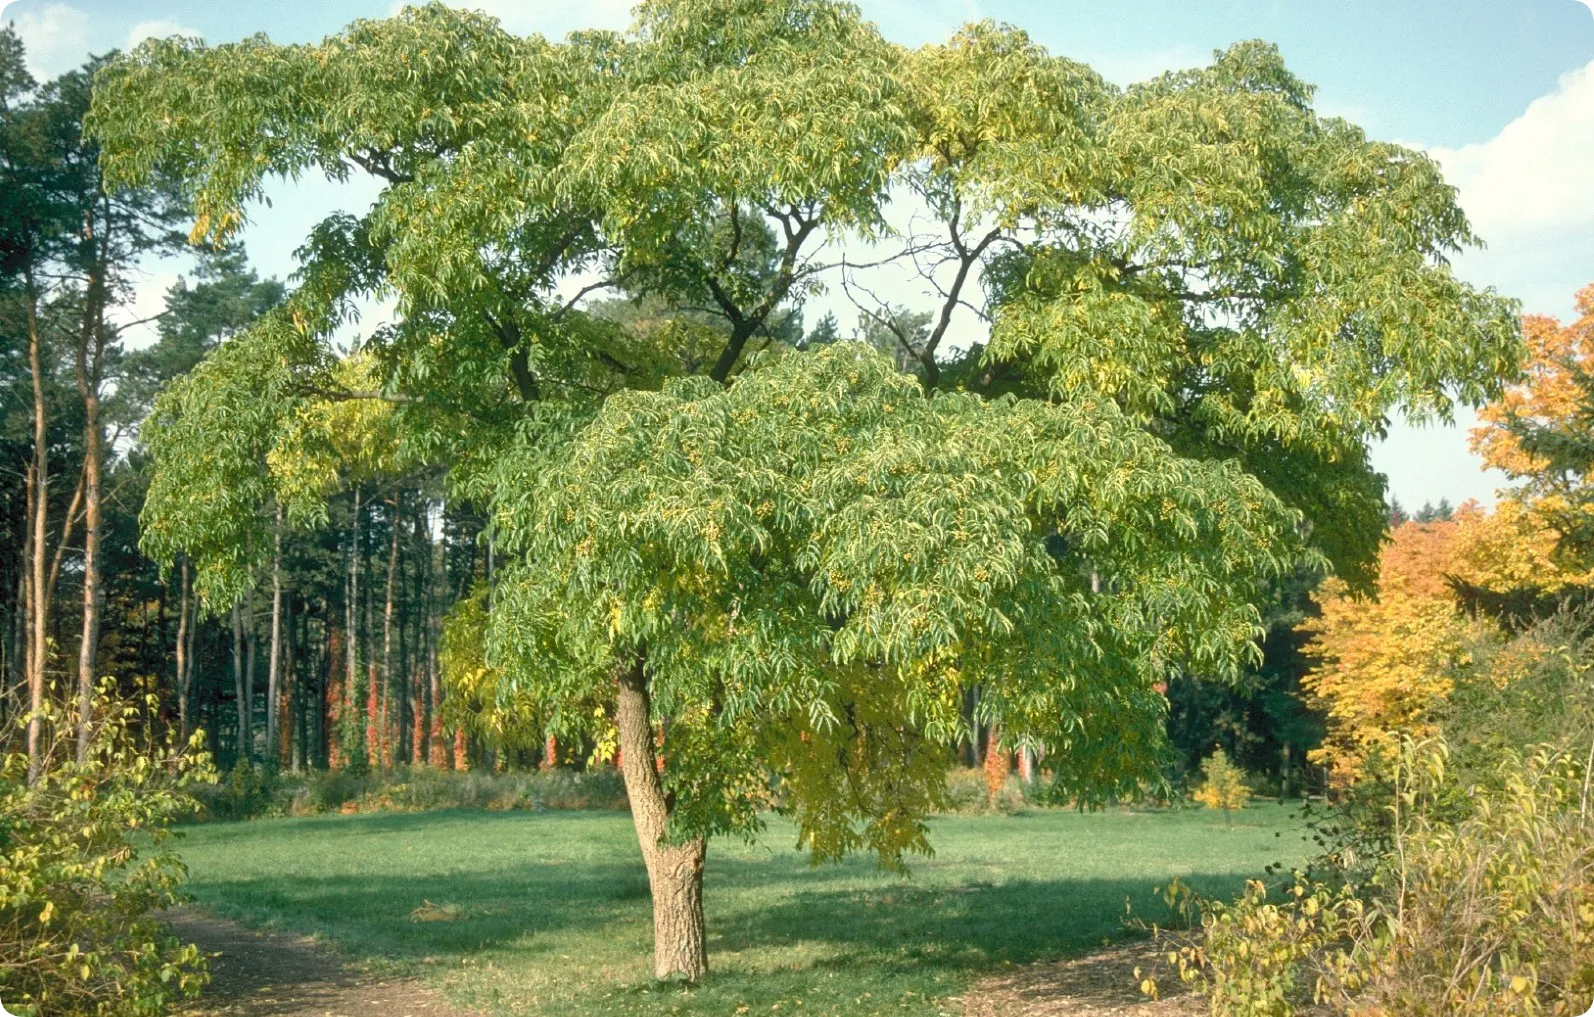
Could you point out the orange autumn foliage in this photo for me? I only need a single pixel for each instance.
(1383, 663)
(1551, 402)
(1549, 393)
(998, 763)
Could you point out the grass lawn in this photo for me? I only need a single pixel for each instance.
(548, 913)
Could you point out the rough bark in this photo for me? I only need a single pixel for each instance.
(997, 765)
(251, 644)
(675, 871)
(352, 677)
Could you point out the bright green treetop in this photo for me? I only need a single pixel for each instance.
(821, 556)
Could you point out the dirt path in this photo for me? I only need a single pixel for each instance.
(259, 974)
(1100, 985)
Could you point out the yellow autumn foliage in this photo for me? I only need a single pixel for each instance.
(1383, 663)
(1549, 393)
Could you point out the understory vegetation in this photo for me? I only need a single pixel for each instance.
(1459, 872)
(250, 792)
(86, 865)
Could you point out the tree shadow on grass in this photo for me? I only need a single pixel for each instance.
(400, 918)
(976, 926)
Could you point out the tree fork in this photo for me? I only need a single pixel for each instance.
(675, 871)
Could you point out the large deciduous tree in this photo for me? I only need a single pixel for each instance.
(1203, 299)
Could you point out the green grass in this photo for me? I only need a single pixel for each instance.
(548, 913)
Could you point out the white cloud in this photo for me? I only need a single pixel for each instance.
(1527, 192)
(160, 29)
(1534, 175)
(55, 39)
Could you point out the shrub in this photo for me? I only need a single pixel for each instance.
(1489, 914)
(250, 793)
(1225, 786)
(968, 791)
(246, 791)
(85, 865)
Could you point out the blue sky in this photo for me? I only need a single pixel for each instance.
(1500, 91)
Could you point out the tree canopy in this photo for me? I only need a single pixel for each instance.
(1194, 302)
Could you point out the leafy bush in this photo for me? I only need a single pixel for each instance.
(1225, 786)
(85, 865)
(968, 792)
(249, 793)
(253, 792)
(1491, 914)
(1458, 877)
(246, 791)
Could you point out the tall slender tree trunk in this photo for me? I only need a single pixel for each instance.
(997, 765)
(389, 741)
(90, 354)
(288, 713)
(39, 511)
(675, 871)
(435, 752)
(1284, 772)
(182, 653)
(419, 613)
(251, 646)
(190, 670)
(352, 679)
(273, 751)
(239, 687)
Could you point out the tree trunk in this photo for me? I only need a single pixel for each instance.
(997, 765)
(91, 343)
(251, 646)
(238, 678)
(182, 654)
(436, 751)
(1284, 773)
(288, 714)
(351, 624)
(421, 549)
(193, 656)
(389, 741)
(675, 871)
(273, 666)
(39, 511)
